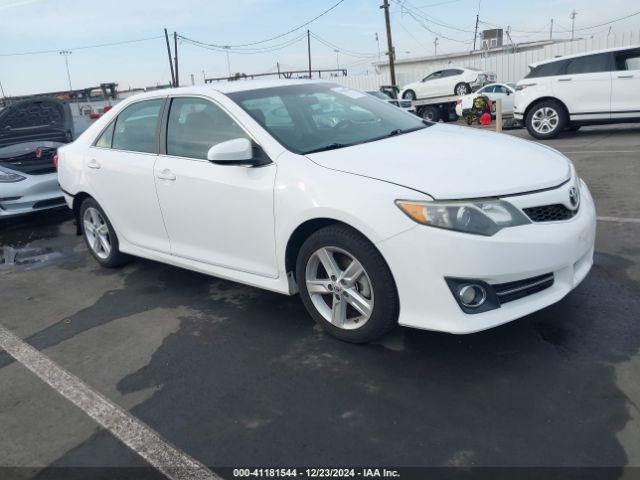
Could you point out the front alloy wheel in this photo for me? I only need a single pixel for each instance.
(346, 285)
(545, 120)
(339, 288)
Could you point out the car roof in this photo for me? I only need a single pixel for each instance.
(228, 87)
(583, 54)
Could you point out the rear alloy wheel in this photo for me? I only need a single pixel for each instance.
(100, 236)
(462, 89)
(546, 120)
(409, 95)
(346, 285)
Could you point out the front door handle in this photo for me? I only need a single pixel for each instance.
(93, 163)
(166, 174)
(625, 76)
(564, 79)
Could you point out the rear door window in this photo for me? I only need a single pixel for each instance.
(136, 127)
(589, 64)
(629, 60)
(106, 138)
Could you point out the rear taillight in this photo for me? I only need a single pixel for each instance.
(55, 161)
(94, 116)
(107, 108)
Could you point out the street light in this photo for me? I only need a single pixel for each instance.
(228, 63)
(65, 54)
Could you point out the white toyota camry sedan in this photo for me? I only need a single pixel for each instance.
(374, 216)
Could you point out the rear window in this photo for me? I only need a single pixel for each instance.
(548, 69)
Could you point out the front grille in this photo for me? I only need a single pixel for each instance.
(508, 292)
(549, 213)
(29, 163)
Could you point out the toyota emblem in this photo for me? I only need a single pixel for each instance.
(574, 197)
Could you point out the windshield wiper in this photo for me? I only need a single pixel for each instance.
(331, 146)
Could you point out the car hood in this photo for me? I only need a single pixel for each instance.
(450, 162)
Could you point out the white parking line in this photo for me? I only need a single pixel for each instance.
(139, 437)
(618, 219)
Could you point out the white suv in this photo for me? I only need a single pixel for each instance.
(450, 81)
(590, 88)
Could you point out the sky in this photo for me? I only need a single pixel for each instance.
(350, 28)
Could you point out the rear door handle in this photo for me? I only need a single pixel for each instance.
(93, 164)
(625, 76)
(166, 174)
(564, 79)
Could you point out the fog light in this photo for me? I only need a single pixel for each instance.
(472, 296)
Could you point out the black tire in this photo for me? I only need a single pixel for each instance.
(462, 89)
(555, 129)
(409, 95)
(115, 257)
(384, 316)
(431, 114)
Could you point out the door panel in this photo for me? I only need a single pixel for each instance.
(123, 185)
(219, 214)
(625, 92)
(122, 181)
(585, 86)
(214, 213)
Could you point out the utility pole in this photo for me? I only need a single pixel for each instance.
(173, 77)
(475, 35)
(337, 52)
(573, 22)
(390, 50)
(309, 51)
(378, 43)
(278, 67)
(551, 30)
(435, 45)
(2, 91)
(175, 58)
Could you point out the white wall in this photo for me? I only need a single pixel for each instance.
(509, 67)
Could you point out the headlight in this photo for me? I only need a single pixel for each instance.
(482, 217)
(7, 176)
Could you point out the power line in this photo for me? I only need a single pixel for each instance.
(244, 51)
(609, 22)
(345, 51)
(85, 47)
(277, 36)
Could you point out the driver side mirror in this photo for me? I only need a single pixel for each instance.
(508, 92)
(239, 151)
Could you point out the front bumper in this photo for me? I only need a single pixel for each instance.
(423, 256)
(35, 193)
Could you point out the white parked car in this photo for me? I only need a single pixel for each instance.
(365, 210)
(30, 133)
(585, 89)
(449, 81)
(494, 91)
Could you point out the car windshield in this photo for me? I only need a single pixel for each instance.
(322, 116)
